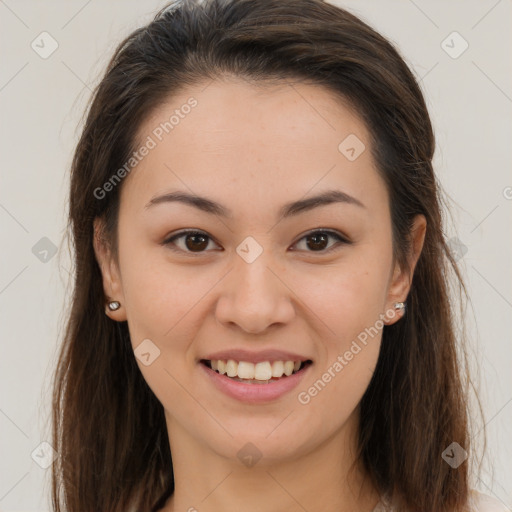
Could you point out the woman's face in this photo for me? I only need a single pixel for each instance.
(257, 285)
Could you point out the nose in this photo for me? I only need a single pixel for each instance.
(255, 296)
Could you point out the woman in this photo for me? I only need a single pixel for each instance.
(261, 318)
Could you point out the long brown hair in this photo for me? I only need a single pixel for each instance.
(108, 427)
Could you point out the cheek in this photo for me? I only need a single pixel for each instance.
(161, 302)
(158, 295)
(347, 296)
(350, 305)
(333, 393)
(349, 301)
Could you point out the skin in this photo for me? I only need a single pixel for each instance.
(253, 149)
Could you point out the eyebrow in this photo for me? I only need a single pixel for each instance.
(290, 209)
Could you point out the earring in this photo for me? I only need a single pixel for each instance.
(114, 305)
(399, 305)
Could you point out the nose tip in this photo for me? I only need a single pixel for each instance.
(254, 299)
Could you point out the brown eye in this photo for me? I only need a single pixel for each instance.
(317, 241)
(194, 241)
(197, 241)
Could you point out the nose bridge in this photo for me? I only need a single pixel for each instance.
(254, 297)
(254, 282)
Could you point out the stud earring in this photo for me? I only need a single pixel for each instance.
(114, 305)
(399, 305)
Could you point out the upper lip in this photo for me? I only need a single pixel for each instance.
(255, 357)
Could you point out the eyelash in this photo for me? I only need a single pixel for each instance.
(341, 240)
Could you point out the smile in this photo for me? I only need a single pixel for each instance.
(257, 373)
(255, 382)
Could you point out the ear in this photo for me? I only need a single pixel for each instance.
(112, 285)
(401, 280)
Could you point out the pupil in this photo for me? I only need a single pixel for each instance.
(193, 246)
(321, 245)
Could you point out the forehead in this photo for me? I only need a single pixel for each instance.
(305, 116)
(253, 140)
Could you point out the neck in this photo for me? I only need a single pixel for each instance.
(326, 478)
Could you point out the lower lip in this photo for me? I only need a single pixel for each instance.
(255, 393)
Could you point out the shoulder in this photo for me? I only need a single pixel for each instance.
(481, 502)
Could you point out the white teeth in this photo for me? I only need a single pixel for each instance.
(262, 371)
(245, 370)
(221, 367)
(288, 368)
(277, 369)
(231, 368)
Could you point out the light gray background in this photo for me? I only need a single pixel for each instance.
(41, 103)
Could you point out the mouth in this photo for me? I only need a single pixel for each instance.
(264, 372)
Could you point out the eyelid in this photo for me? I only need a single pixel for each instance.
(174, 236)
(341, 238)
